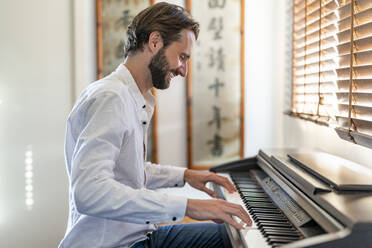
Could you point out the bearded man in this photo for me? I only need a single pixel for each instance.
(112, 202)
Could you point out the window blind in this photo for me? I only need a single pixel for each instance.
(314, 59)
(332, 65)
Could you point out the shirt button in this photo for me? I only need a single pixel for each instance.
(144, 123)
(174, 219)
(147, 222)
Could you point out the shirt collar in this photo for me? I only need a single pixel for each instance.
(141, 100)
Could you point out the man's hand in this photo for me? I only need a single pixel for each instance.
(198, 180)
(217, 210)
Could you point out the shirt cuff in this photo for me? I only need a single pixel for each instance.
(177, 176)
(177, 209)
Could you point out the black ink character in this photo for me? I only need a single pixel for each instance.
(216, 118)
(216, 57)
(217, 148)
(216, 25)
(216, 87)
(216, 4)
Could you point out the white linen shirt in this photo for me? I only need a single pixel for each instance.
(111, 198)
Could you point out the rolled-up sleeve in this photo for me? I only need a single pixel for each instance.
(94, 188)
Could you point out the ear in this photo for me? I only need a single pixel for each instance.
(155, 42)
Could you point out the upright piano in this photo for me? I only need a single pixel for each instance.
(298, 198)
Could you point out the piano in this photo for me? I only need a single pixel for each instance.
(298, 198)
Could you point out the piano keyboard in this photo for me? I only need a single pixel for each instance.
(270, 228)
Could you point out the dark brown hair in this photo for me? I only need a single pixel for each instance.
(167, 19)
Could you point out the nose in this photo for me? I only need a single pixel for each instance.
(182, 69)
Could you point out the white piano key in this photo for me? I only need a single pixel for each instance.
(253, 238)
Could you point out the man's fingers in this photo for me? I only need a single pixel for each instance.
(208, 191)
(243, 215)
(224, 182)
(232, 222)
(238, 211)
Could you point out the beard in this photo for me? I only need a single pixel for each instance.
(159, 69)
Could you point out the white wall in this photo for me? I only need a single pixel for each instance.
(35, 96)
(258, 75)
(84, 45)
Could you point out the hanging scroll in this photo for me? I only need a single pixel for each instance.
(113, 18)
(216, 84)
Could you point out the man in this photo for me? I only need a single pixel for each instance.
(112, 202)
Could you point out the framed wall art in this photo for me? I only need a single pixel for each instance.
(215, 90)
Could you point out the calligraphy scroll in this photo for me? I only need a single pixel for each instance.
(113, 18)
(215, 84)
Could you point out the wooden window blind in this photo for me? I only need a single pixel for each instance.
(332, 65)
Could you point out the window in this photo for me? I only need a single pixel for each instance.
(332, 66)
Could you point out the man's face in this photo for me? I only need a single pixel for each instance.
(171, 61)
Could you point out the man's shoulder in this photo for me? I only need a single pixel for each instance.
(109, 85)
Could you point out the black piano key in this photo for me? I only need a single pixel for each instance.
(252, 194)
(280, 233)
(269, 218)
(260, 206)
(273, 230)
(281, 240)
(263, 202)
(260, 203)
(256, 200)
(278, 241)
(267, 224)
(253, 190)
(247, 198)
(261, 210)
(280, 216)
(273, 222)
(258, 219)
(281, 229)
